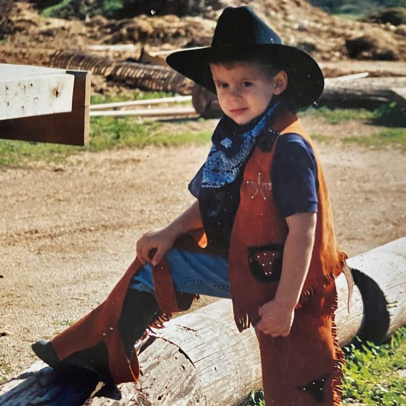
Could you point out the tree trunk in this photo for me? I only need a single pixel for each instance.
(201, 359)
(366, 92)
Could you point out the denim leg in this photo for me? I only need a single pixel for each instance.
(191, 272)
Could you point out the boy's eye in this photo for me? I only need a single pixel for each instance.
(222, 85)
(246, 84)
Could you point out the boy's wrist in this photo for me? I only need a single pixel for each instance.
(288, 304)
(174, 229)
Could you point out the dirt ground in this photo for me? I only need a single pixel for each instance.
(67, 232)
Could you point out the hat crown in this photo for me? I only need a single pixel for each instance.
(241, 27)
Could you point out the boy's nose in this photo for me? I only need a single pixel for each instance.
(234, 93)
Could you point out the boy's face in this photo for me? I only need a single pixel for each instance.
(244, 90)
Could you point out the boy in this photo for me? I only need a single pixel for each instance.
(262, 202)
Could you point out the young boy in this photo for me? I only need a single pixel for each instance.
(262, 202)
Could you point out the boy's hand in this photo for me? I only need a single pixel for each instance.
(161, 240)
(276, 319)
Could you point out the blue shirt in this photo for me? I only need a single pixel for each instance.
(294, 176)
(294, 186)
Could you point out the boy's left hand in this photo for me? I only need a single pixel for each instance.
(276, 319)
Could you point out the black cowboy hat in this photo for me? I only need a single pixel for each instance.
(240, 32)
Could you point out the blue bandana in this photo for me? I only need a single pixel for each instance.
(232, 145)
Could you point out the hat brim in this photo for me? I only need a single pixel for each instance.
(306, 81)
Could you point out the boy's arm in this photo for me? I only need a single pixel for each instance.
(277, 315)
(163, 239)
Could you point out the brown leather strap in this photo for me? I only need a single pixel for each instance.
(168, 298)
(164, 289)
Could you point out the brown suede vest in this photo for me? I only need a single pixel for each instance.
(259, 233)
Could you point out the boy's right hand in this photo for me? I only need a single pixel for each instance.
(161, 240)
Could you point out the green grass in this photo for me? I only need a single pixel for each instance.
(391, 117)
(66, 322)
(393, 137)
(110, 133)
(105, 133)
(6, 368)
(129, 132)
(51, 11)
(371, 374)
(349, 16)
(321, 138)
(388, 115)
(23, 154)
(136, 95)
(337, 116)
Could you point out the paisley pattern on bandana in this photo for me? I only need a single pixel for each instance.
(231, 147)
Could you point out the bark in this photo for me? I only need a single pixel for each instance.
(366, 92)
(201, 359)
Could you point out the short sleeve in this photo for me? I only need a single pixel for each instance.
(294, 176)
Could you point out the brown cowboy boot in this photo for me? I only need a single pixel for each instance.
(140, 309)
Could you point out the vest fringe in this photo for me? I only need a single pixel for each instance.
(161, 318)
(319, 287)
(243, 321)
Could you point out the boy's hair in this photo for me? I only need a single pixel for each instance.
(230, 60)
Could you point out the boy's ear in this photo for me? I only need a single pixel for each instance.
(280, 82)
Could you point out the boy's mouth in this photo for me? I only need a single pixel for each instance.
(239, 111)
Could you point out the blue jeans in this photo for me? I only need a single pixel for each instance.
(191, 272)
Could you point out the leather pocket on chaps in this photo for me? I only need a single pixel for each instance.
(265, 262)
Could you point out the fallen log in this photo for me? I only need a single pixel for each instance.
(201, 359)
(366, 92)
(380, 275)
(138, 75)
(374, 68)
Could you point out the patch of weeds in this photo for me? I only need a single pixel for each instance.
(390, 115)
(337, 116)
(394, 137)
(105, 133)
(349, 16)
(255, 398)
(371, 372)
(110, 132)
(21, 153)
(387, 115)
(53, 10)
(66, 322)
(321, 138)
(6, 368)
